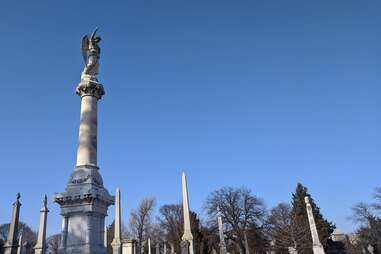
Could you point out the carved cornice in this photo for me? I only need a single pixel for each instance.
(89, 86)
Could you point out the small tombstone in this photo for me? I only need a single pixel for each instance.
(184, 247)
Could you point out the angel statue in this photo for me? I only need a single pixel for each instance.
(91, 52)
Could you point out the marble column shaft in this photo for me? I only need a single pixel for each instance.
(40, 247)
(87, 143)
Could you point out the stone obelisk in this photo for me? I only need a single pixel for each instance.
(85, 201)
(221, 232)
(316, 245)
(117, 241)
(187, 236)
(11, 245)
(40, 247)
(149, 246)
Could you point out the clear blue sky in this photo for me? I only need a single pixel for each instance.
(256, 93)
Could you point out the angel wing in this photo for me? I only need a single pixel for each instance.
(85, 48)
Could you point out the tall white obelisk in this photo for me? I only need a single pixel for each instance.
(187, 236)
(316, 245)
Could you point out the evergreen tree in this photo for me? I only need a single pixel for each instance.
(301, 225)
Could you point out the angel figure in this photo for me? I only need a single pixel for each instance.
(91, 52)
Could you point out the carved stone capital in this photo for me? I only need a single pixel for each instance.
(89, 86)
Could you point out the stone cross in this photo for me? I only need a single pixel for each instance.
(316, 245)
(11, 245)
(117, 242)
(187, 236)
(40, 247)
(221, 232)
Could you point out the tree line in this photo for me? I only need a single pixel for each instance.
(248, 226)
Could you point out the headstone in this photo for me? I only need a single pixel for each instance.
(370, 249)
(117, 241)
(85, 201)
(187, 236)
(40, 247)
(292, 250)
(184, 245)
(11, 245)
(129, 246)
(317, 247)
(157, 248)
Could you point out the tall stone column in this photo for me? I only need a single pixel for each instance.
(11, 245)
(316, 245)
(40, 247)
(187, 236)
(85, 201)
(117, 241)
(164, 247)
(221, 232)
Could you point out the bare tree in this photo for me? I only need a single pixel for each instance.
(53, 243)
(279, 227)
(29, 235)
(240, 210)
(141, 221)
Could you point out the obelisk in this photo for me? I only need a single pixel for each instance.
(85, 201)
(11, 245)
(40, 247)
(221, 232)
(117, 241)
(149, 246)
(317, 247)
(187, 236)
